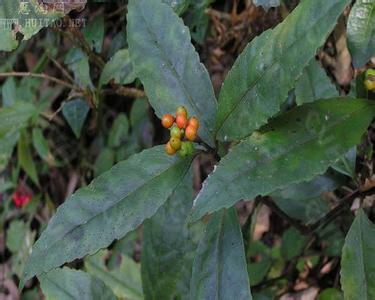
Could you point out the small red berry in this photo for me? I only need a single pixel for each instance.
(169, 149)
(175, 143)
(167, 120)
(191, 133)
(181, 121)
(181, 110)
(21, 199)
(193, 121)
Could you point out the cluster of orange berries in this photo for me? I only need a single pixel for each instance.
(184, 128)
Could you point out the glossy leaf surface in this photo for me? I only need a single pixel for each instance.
(168, 65)
(293, 148)
(168, 246)
(112, 205)
(361, 31)
(270, 65)
(68, 284)
(358, 260)
(219, 269)
(124, 280)
(314, 84)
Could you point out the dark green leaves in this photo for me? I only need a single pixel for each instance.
(179, 6)
(119, 68)
(361, 31)
(75, 112)
(269, 66)
(26, 159)
(15, 117)
(94, 33)
(12, 120)
(314, 84)
(68, 284)
(219, 270)
(168, 246)
(358, 260)
(167, 64)
(292, 148)
(124, 280)
(113, 204)
(21, 13)
(78, 63)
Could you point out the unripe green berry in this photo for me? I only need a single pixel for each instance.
(190, 148)
(175, 143)
(187, 149)
(176, 132)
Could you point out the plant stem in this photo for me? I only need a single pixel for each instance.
(40, 75)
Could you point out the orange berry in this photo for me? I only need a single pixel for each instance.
(175, 143)
(181, 121)
(191, 133)
(169, 149)
(167, 120)
(181, 110)
(193, 121)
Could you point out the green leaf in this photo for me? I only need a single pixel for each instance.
(197, 19)
(314, 136)
(293, 243)
(94, 33)
(30, 17)
(219, 270)
(16, 235)
(71, 284)
(168, 245)
(260, 267)
(119, 131)
(361, 31)
(78, 62)
(5, 185)
(314, 84)
(9, 92)
(168, 65)
(26, 158)
(304, 201)
(104, 161)
(269, 66)
(125, 280)
(75, 113)
(7, 144)
(40, 144)
(18, 259)
(330, 294)
(179, 6)
(114, 204)
(267, 4)
(12, 120)
(346, 163)
(15, 117)
(119, 68)
(358, 260)
(138, 111)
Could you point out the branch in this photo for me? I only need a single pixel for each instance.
(129, 92)
(40, 75)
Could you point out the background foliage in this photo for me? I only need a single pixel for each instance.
(277, 201)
